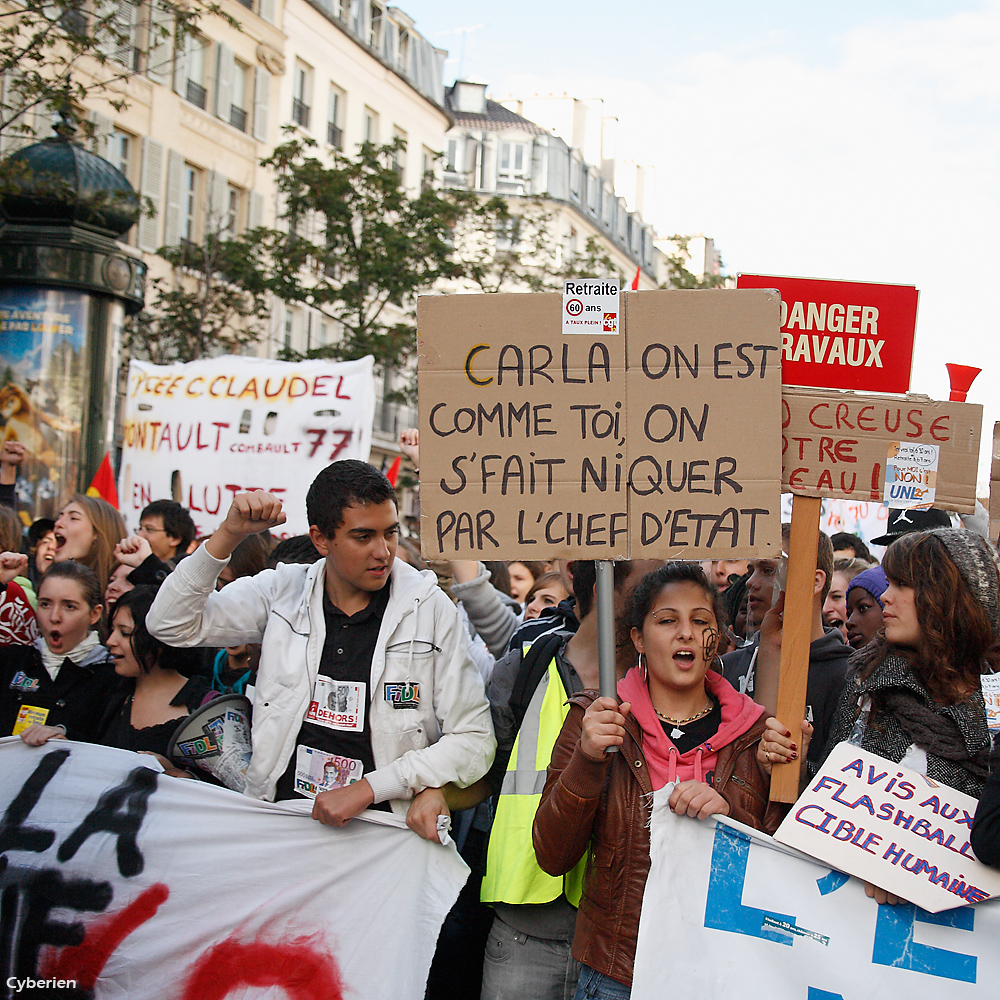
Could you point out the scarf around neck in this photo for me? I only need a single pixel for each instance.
(78, 654)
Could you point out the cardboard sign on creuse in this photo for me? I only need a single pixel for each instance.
(658, 440)
(891, 826)
(837, 444)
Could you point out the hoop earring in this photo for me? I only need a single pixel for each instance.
(643, 671)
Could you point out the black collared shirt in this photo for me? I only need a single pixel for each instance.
(342, 699)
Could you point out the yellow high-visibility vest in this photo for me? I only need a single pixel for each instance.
(513, 874)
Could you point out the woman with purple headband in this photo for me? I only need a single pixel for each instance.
(864, 606)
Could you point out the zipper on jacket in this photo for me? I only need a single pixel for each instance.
(747, 786)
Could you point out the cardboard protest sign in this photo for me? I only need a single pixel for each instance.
(123, 882)
(534, 444)
(891, 826)
(843, 334)
(210, 429)
(522, 431)
(728, 912)
(837, 444)
(703, 388)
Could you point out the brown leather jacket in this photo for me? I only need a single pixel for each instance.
(604, 805)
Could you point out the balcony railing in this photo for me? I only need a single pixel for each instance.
(334, 135)
(197, 94)
(300, 112)
(238, 118)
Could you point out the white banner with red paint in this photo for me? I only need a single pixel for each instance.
(728, 912)
(204, 431)
(117, 881)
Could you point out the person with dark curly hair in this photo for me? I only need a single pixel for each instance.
(676, 720)
(913, 694)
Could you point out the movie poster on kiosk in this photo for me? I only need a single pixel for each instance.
(43, 379)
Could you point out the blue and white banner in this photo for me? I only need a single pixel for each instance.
(731, 913)
(120, 883)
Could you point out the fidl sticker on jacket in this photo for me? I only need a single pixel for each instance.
(403, 695)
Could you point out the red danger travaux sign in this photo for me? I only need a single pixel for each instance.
(843, 334)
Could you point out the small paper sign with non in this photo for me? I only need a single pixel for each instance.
(590, 306)
(837, 444)
(704, 399)
(522, 431)
(911, 475)
(892, 827)
(843, 334)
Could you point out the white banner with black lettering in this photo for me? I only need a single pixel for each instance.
(730, 913)
(204, 431)
(131, 884)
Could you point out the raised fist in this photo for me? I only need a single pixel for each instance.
(12, 453)
(12, 564)
(253, 512)
(409, 445)
(133, 551)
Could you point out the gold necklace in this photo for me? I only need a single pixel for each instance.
(681, 722)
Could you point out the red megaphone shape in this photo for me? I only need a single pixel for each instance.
(962, 377)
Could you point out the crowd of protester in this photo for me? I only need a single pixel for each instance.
(489, 671)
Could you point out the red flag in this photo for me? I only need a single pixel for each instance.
(103, 483)
(393, 474)
(635, 280)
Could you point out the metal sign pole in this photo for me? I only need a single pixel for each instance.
(606, 660)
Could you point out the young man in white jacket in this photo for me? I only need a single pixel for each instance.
(366, 694)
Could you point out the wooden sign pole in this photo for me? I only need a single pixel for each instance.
(796, 635)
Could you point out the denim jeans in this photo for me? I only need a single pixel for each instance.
(520, 967)
(597, 986)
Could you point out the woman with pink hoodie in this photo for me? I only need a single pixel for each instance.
(676, 721)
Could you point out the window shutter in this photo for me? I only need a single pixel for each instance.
(149, 188)
(11, 99)
(261, 101)
(181, 66)
(175, 184)
(45, 120)
(101, 34)
(225, 68)
(256, 218)
(267, 10)
(389, 41)
(103, 126)
(128, 16)
(160, 47)
(217, 201)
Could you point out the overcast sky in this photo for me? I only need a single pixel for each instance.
(853, 140)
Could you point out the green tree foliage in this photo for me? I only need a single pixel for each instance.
(501, 248)
(353, 244)
(57, 55)
(212, 302)
(678, 275)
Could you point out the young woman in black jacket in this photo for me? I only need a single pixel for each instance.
(65, 678)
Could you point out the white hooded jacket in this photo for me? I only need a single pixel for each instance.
(446, 737)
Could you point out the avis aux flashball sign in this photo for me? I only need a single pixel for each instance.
(843, 334)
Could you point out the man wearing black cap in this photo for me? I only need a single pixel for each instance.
(902, 522)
